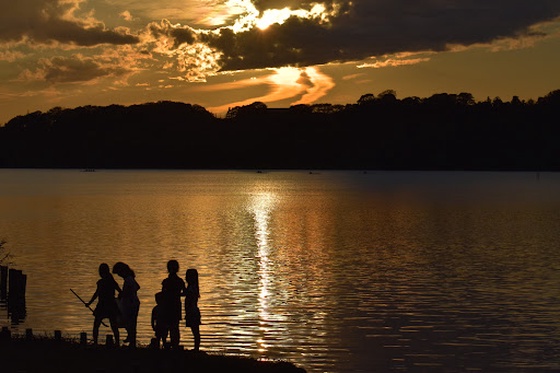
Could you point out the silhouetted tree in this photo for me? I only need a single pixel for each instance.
(497, 102)
(366, 99)
(251, 110)
(550, 98)
(387, 96)
(465, 99)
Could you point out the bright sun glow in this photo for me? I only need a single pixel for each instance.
(273, 16)
(303, 85)
(250, 17)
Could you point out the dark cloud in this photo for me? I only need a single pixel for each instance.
(73, 33)
(365, 28)
(72, 69)
(262, 5)
(179, 34)
(279, 45)
(46, 21)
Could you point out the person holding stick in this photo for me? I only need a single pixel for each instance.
(107, 305)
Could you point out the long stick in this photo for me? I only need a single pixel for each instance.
(85, 303)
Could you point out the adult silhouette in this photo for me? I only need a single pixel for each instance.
(129, 301)
(173, 287)
(106, 307)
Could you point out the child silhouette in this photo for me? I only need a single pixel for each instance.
(173, 287)
(159, 324)
(192, 312)
(107, 305)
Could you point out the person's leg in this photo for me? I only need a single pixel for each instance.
(132, 330)
(157, 340)
(96, 323)
(128, 321)
(196, 334)
(115, 329)
(174, 333)
(161, 334)
(165, 333)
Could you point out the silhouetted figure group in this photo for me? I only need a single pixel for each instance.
(121, 306)
(166, 315)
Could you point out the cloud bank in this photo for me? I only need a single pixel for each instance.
(50, 21)
(258, 34)
(354, 30)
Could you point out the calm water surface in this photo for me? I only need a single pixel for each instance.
(334, 271)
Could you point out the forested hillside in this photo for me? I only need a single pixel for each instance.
(441, 132)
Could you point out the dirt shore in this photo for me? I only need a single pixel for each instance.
(49, 355)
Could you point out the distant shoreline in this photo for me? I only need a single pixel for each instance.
(311, 171)
(442, 132)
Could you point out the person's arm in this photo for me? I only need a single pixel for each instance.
(153, 318)
(93, 297)
(117, 287)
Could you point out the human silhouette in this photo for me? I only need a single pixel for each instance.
(159, 322)
(129, 301)
(192, 312)
(106, 306)
(173, 287)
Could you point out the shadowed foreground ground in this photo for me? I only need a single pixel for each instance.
(48, 355)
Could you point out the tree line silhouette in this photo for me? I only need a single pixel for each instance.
(441, 132)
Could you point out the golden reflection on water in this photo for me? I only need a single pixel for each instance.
(418, 269)
(261, 206)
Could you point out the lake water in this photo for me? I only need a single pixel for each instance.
(334, 271)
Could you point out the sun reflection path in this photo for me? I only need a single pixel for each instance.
(261, 207)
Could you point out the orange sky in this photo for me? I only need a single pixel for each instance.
(225, 53)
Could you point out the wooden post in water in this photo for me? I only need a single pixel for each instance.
(17, 282)
(29, 334)
(3, 282)
(16, 294)
(12, 273)
(22, 285)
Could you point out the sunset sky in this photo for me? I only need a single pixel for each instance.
(226, 53)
